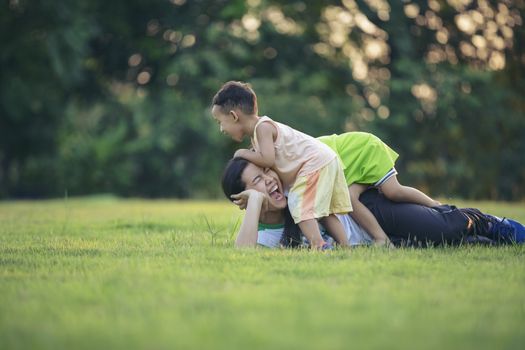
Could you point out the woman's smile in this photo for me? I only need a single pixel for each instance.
(265, 181)
(275, 193)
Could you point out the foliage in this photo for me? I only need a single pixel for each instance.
(113, 96)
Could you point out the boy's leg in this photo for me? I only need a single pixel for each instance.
(310, 229)
(335, 228)
(364, 217)
(396, 192)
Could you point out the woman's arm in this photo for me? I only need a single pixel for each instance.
(253, 201)
(265, 157)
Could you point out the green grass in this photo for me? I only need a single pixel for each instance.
(109, 273)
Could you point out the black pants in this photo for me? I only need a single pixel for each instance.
(416, 225)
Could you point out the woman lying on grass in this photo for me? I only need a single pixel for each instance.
(268, 222)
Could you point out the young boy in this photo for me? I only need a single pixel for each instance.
(309, 169)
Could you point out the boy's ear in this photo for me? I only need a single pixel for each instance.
(234, 115)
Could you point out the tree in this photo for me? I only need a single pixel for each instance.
(114, 96)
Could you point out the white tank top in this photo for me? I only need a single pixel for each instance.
(296, 154)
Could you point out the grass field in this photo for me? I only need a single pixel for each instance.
(124, 274)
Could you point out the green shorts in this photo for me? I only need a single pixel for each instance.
(365, 158)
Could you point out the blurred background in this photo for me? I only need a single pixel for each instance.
(113, 96)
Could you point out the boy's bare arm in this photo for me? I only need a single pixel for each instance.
(265, 157)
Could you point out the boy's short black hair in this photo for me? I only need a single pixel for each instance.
(236, 94)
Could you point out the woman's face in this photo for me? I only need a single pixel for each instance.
(267, 182)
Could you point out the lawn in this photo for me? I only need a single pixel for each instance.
(134, 274)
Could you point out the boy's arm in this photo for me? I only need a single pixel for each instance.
(265, 157)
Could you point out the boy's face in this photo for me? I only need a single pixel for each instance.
(228, 123)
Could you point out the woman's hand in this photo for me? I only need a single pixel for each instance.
(241, 199)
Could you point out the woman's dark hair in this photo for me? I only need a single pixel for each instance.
(232, 183)
(232, 177)
(292, 234)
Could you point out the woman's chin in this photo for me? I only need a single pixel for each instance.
(279, 204)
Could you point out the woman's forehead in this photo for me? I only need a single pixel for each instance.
(250, 172)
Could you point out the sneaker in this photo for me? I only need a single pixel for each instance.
(519, 231)
(481, 240)
(507, 229)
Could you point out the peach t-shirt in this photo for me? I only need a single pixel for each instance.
(296, 154)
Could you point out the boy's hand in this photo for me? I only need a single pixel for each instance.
(241, 199)
(241, 153)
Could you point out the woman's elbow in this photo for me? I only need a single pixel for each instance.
(244, 245)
